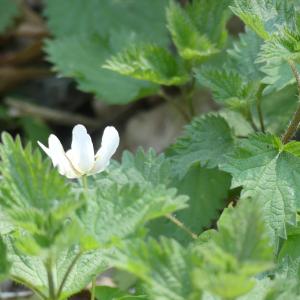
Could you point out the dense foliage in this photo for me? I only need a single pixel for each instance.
(216, 215)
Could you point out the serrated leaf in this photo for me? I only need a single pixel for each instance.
(208, 191)
(275, 56)
(228, 87)
(165, 268)
(115, 212)
(243, 54)
(285, 101)
(148, 62)
(206, 140)
(81, 57)
(33, 195)
(30, 270)
(265, 16)
(103, 16)
(154, 168)
(8, 12)
(105, 28)
(237, 251)
(267, 171)
(190, 42)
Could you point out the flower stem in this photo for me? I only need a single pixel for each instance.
(181, 226)
(93, 288)
(294, 124)
(258, 107)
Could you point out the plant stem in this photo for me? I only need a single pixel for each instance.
(85, 186)
(182, 226)
(69, 270)
(93, 289)
(258, 107)
(182, 112)
(51, 287)
(293, 126)
(251, 121)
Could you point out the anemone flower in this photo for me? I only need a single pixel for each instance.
(81, 159)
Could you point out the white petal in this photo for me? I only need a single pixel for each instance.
(109, 145)
(57, 154)
(82, 149)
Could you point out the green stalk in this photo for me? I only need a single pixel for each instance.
(258, 107)
(294, 124)
(93, 289)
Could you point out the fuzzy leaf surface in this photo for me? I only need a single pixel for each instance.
(206, 140)
(164, 266)
(237, 251)
(81, 57)
(267, 171)
(265, 16)
(148, 62)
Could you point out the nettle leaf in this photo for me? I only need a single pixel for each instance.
(267, 171)
(240, 249)
(243, 54)
(81, 57)
(192, 44)
(208, 191)
(275, 56)
(148, 62)
(265, 16)
(33, 195)
(105, 28)
(115, 211)
(103, 16)
(8, 12)
(285, 101)
(153, 167)
(164, 266)
(206, 140)
(227, 87)
(30, 270)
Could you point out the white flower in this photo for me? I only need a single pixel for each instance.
(80, 159)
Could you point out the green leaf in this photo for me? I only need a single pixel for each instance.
(116, 211)
(153, 167)
(208, 191)
(81, 57)
(105, 28)
(206, 140)
(8, 12)
(265, 17)
(110, 293)
(104, 16)
(239, 250)
(190, 42)
(267, 171)
(242, 56)
(30, 270)
(165, 268)
(34, 196)
(285, 101)
(148, 62)
(275, 56)
(227, 87)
